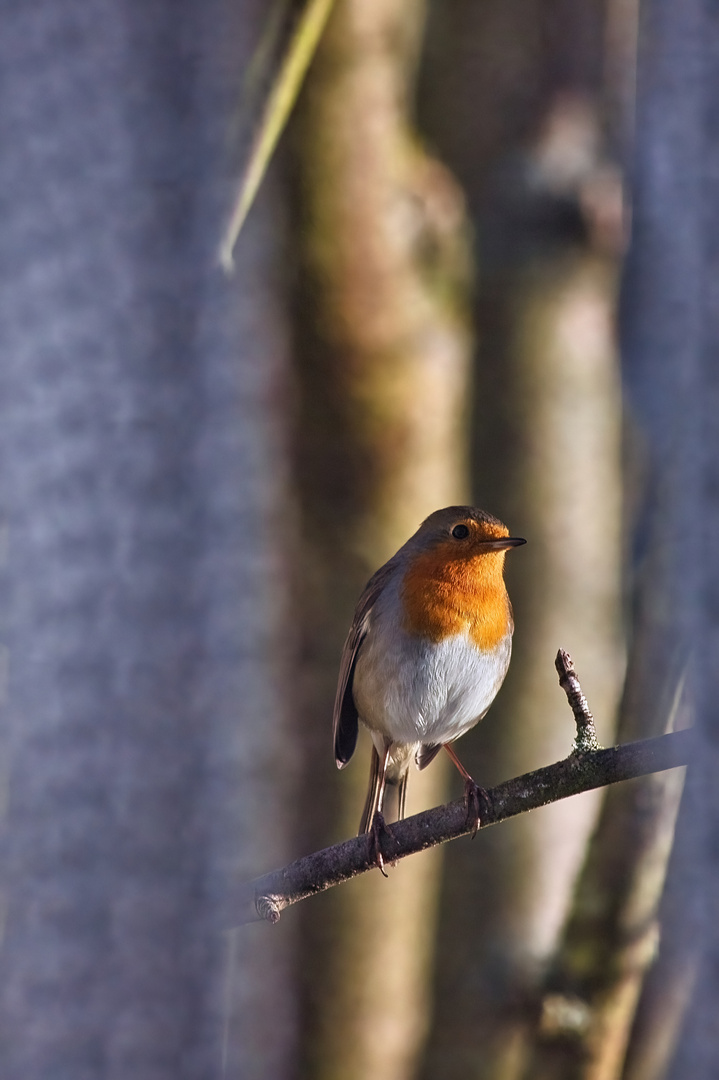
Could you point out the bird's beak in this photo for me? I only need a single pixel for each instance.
(503, 543)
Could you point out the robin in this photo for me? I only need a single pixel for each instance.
(427, 651)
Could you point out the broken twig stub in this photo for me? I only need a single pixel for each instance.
(586, 738)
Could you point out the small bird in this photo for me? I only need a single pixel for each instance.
(427, 651)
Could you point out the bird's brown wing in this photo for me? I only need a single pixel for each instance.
(345, 719)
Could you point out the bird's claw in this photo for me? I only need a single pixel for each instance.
(474, 796)
(376, 829)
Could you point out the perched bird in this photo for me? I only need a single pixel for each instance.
(427, 651)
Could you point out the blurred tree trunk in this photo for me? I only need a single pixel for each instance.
(142, 445)
(670, 317)
(591, 992)
(382, 441)
(612, 935)
(671, 977)
(547, 460)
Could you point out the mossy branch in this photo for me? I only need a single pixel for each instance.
(583, 770)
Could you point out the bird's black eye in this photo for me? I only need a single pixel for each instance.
(460, 532)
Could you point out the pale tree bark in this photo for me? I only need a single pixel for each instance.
(383, 382)
(613, 934)
(141, 437)
(590, 995)
(585, 1016)
(547, 460)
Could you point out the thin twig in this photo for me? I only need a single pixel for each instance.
(586, 739)
(267, 896)
(286, 87)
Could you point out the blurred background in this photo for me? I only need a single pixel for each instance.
(479, 270)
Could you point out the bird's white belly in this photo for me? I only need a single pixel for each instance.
(414, 691)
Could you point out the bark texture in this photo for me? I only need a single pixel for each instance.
(547, 459)
(382, 441)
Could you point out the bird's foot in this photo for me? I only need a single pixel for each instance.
(475, 797)
(377, 827)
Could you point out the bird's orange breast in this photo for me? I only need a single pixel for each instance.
(444, 594)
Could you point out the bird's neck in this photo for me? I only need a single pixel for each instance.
(446, 596)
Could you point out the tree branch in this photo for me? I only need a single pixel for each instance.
(266, 897)
(587, 767)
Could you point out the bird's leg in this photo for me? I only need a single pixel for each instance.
(378, 825)
(473, 793)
